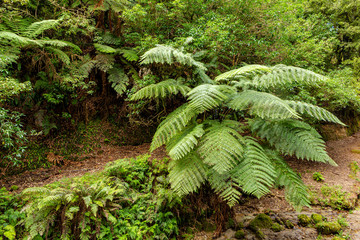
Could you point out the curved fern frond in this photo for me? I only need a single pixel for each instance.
(283, 75)
(187, 174)
(293, 137)
(60, 54)
(104, 48)
(172, 125)
(119, 80)
(167, 54)
(221, 147)
(246, 72)
(129, 55)
(207, 96)
(185, 142)
(53, 42)
(225, 187)
(161, 90)
(261, 104)
(314, 111)
(17, 39)
(296, 192)
(255, 173)
(38, 28)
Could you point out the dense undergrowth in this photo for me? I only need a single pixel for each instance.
(130, 199)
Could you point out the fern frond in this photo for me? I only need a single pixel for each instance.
(38, 28)
(296, 192)
(284, 75)
(221, 147)
(172, 125)
(53, 43)
(246, 72)
(207, 96)
(255, 173)
(167, 54)
(104, 48)
(7, 59)
(161, 90)
(314, 111)
(129, 55)
(17, 39)
(60, 54)
(187, 174)
(119, 80)
(104, 62)
(225, 187)
(293, 137)
(185, 142)
(261, 104)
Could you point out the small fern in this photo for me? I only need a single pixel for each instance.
(119, 80)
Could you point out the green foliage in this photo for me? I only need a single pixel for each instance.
(208, 146)
(317, 176)
(334, 197)
(130, 199)
(12, 137)
(10, 215)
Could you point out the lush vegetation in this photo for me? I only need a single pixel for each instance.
(229, 87)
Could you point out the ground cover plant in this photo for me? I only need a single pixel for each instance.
(130, 199)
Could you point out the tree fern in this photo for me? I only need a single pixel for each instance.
(314, 111)
(292, 137)
(161, 90)
(104, 48)
(60, 54)
(205, 136)
(264, 105)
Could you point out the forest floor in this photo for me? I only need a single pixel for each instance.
(331, 197)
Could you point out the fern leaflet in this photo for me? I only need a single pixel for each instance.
(293, 137)
(264, 105)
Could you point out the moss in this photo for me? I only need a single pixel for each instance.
(230, 224)
(261, 221)
(289, 224)
(338, 238)
(316, 218)
(328, 227)
(240, 234)
(240, 225)
(304, 220)
(208, 226)
(14, 187)
(277, 227)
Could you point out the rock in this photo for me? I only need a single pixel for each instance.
(328, 227)
(304, 220)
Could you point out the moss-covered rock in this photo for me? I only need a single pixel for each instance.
(240, 225)
(230, 224)
(240, 234)
(328, 227)
(338, 238)
(316, 218)
(304, 220)
(277, 227)
(288, 224)
(261, 221)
